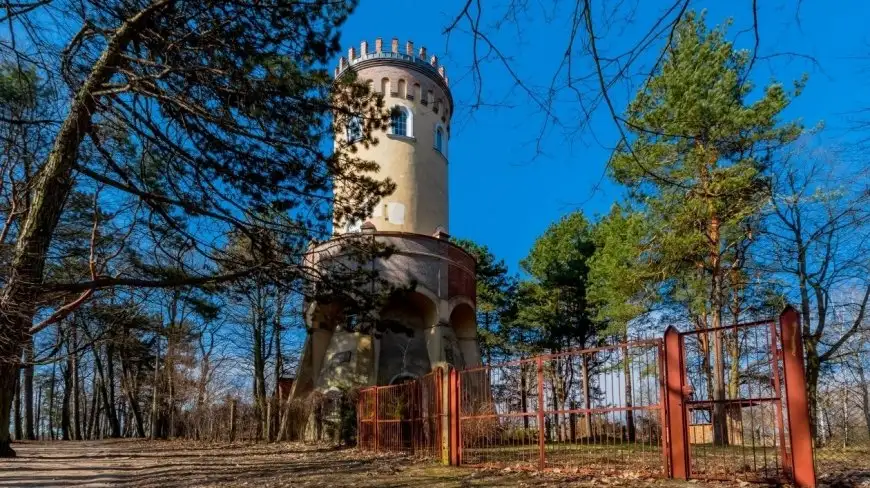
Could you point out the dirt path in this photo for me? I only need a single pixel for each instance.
(130, 463)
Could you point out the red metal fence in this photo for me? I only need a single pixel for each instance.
(594, 409)
(726, 403)
(405, 417)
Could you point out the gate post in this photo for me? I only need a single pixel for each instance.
(375, 418)
(802, 466)
(452, 418)
(675, 431)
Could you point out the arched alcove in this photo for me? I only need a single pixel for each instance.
(401, 326)
(463, 321)
(402, 89)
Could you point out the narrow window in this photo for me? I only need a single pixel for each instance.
(385, 86)
(354, 129)
(399, 121)
(417, 92)
(439, 140)
(402, 89)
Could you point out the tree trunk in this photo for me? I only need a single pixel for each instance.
(813, 367)
(275, 405)
(51, 395)
(524, 396)
(109, 385)
(108, 398)
(169, 370)
(128, 385)
(65, 422)
(587, 398)
(94, 410)
(29, 432)
(38, 412)
(133, 403)
(155, 392)
(19, 430)
(8, 377)
(73, 365)
(629, 414)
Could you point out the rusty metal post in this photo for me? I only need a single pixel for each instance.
(232, 420)
(775, 354)
(663, 411)
(375, 418)
(443, 431)
(802, 466)
(542, 462)
(453, 419)
(676, 429)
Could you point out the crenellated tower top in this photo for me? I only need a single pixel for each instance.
(419, 59)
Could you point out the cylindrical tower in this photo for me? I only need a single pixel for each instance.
(413, 152)
(428, 317)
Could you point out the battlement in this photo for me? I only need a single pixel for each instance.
(419, 59)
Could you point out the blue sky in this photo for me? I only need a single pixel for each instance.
(505, 189)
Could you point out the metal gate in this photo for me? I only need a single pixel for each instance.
(734, 412)
(737, 404)
(405, 417)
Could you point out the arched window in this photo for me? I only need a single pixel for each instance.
(440, 142)
(354, 129)
(399, 122)
(402, 93)
(385, 86)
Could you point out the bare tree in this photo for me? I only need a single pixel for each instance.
(817, 241)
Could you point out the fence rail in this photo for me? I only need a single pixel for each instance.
(725, 403)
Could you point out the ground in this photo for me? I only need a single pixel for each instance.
(171, 464)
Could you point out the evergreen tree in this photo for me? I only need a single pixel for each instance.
(552, 303)
(621, 272)
(702, 137)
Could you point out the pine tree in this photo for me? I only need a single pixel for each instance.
(701, 138)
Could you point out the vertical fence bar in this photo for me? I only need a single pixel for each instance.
(774, 365)
(676, 414)
(540, 366)
(802, 466)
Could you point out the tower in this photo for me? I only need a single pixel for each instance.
(413, 152)
(434, 324)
